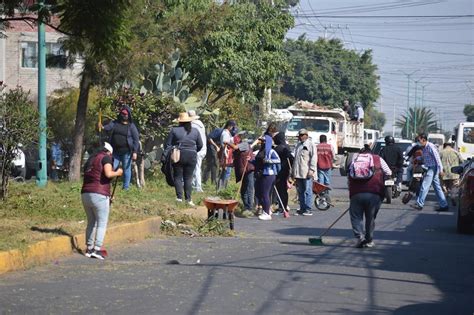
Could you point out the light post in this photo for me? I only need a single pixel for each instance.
(414, 111)
(41, 171)
(408, 101)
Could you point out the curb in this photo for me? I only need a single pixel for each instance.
(49, 250)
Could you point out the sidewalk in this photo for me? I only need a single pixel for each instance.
(48, 251)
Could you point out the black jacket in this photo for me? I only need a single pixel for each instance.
(285, 155)
(393, 155)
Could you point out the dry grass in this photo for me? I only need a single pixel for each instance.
(31, 213)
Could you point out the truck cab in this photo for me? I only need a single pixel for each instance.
(341, 132)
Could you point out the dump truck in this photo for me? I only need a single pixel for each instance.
(346, 135)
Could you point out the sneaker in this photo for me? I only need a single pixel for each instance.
(368, 244)
(265, 217)
(307, 213)
(88, 252)
(179, 200)
(360, 243)
(99, 254)
(190, 203)
(417, 207)
(442, 209)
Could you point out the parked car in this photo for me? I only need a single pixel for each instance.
(465, 196)
(402, 144)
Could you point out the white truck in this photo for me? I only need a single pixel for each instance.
(370, 136)
(437, 139)
(464, 139)
(345, 135)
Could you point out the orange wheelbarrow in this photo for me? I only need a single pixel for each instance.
(322, 201)
(213, 206)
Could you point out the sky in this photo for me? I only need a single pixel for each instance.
(429, 41)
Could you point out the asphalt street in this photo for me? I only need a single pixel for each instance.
(418, 266)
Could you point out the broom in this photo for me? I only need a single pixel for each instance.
(319, 240)
(286, 214)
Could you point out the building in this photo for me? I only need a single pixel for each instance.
(19, 59)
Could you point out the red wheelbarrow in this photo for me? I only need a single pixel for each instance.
(213, 206)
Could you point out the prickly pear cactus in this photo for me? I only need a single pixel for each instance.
(171, 81)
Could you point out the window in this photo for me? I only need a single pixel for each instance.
(55, 55)
(468, 135)
(318, 125)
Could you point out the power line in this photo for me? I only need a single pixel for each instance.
(385, 16)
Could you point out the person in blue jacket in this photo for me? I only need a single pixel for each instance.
(125, 140)
(267, 166)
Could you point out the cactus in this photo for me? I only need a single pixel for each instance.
(170, 82)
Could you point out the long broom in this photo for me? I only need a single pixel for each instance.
(286, 214)
(319, 240)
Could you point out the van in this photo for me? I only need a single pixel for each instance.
(464, 139)
(370, 136)
(437, 139)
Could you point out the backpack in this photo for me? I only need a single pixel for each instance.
(215, 135)
(362, 166)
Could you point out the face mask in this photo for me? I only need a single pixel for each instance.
(233, 131)
(418, 143)
(123, 117)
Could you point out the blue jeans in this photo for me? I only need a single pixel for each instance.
(126, 160)
(431, 177)
(324, 177)
(224, 177)
(364, 205)
(247, 193)
(304, 186)
(97, 211)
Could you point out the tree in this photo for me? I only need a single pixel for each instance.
(324, 72)
(242, 53)
(374, 119)
(101, 33)
(19, 122)
(469, 112)
(421, 117)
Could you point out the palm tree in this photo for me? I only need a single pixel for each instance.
(420, 120)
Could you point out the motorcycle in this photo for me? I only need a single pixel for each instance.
(392, 190)
(414, 184)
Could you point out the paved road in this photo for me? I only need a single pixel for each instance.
(419, 266)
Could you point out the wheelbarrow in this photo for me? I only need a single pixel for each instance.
(228, 206)
(322, 201)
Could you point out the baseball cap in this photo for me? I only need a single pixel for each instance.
(303, 132)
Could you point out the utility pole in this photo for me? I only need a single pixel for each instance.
(416, 97)
(41, 174)
(393, 125)
(408, 102)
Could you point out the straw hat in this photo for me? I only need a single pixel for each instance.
(184, 117)
(192, 114)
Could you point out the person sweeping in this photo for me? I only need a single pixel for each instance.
(96, 198)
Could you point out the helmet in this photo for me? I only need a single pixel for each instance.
(389, 139)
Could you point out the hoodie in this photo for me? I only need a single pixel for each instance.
(284, 152)
(133, 137)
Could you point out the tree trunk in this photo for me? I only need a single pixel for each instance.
(79, 129)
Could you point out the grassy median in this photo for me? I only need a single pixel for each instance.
(31, 214)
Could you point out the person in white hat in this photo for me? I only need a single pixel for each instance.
(188, 140)
(95, 195)
(201, 154)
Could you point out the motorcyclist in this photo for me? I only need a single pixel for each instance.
(393, 155)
